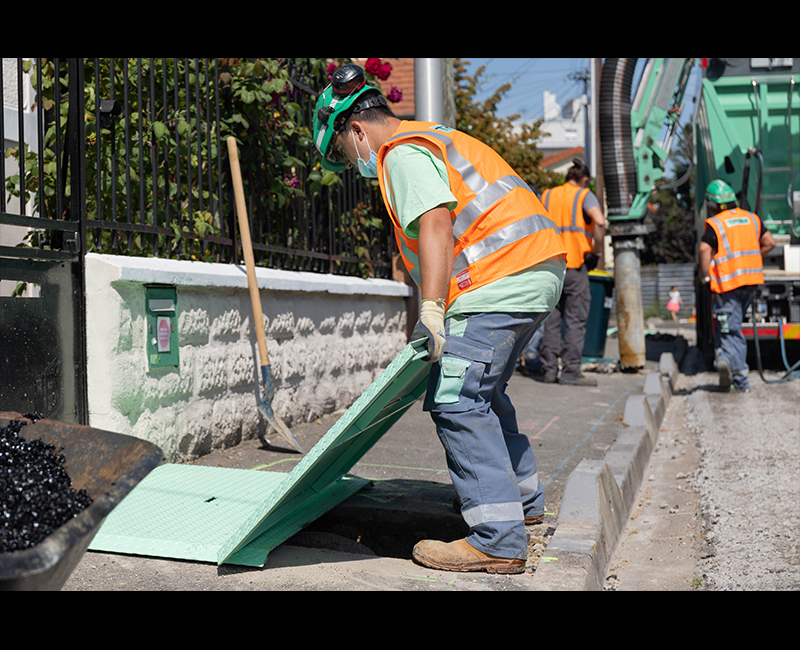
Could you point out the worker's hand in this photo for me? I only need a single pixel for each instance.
(431, 325)
(591, 260)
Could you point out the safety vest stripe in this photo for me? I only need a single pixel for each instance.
(731, 256)
(490, 512)
(724, 235)
(497, 240)
(490, 195)
(577, 229)
(575, 203)
(755, 226)
(486, 194)
(473, 180)
(573, 227)
(737, 273)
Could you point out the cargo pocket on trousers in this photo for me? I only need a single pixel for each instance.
(451, 380)
(455, 383)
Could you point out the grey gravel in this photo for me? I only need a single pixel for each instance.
(748, 480)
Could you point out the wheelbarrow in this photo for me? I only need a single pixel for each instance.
(108, 466)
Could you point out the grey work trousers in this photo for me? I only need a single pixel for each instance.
(573, 307)
(491, 462)
(729, 342)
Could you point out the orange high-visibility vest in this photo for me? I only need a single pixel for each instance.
(737, 262)
(564, 204)
(499, 226)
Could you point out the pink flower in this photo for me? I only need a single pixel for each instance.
(395, 94)
(373, 66)
(385, 71)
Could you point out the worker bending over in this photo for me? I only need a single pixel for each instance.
(490, 266)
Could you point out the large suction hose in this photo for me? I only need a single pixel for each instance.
(616, 141)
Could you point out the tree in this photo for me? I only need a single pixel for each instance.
(673, 241)
(515, 143)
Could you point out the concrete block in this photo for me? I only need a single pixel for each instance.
(590, 520)
(658, 408)
(657, 384)
(668, 368)
(627, 459)
(639, 414)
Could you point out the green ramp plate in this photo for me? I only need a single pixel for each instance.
(237, 516)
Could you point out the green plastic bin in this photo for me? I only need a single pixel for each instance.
(601, 286)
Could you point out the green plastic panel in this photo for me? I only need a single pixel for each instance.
(235, 516)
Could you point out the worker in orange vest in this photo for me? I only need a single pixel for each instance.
(731, 263)
(575, 210)
(490, 266)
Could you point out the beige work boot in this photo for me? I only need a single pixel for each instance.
(461, 556)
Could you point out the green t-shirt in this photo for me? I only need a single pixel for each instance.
(416, 182)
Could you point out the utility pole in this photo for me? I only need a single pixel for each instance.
(428, 91)
(588, 148)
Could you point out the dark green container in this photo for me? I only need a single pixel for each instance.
(601, 286)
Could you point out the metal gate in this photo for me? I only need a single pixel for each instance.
(42, 333)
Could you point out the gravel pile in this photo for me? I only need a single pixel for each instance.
(749, 482)
(36, 494)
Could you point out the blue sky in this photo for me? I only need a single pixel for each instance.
(533, 77)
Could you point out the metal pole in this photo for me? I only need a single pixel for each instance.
(630, 311)
(428, 90)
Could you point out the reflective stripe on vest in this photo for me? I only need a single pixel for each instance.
(564, 204)
(497, 230)
(737, 261)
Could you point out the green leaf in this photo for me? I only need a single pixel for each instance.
(160, 130)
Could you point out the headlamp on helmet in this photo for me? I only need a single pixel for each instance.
(336, 103)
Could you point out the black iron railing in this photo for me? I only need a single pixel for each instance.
(129, 158)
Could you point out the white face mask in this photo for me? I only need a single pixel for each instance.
(368, 169)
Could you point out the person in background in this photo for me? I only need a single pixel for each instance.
(575, 210)
(731, 263)
(675, 303)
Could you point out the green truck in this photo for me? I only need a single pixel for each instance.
(746, 132)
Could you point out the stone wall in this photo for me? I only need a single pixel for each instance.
(328, 337)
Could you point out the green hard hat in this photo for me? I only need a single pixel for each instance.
(336, 103)
(720, 193)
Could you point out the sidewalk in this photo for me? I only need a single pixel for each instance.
(593, 479)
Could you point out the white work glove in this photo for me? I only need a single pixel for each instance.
(431, 325)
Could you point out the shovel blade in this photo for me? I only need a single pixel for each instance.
(265, 407)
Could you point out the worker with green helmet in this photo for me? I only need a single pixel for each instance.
(490, 267)
(731, 263)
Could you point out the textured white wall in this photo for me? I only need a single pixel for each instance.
(328, 337)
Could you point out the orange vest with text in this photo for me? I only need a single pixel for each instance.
(737, 262)
(499, 226)
(564, 204)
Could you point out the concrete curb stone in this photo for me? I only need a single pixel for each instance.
(599, 495)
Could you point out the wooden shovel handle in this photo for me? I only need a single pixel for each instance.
(247, 248)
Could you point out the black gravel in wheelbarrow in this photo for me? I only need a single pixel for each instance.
(36, 494)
